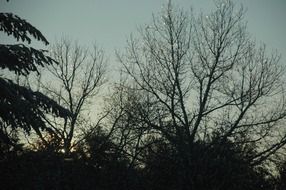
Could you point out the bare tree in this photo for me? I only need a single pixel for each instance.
(76, 80)
(204, 79)
(129, 134)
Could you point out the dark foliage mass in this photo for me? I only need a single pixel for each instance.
(282, 178)
(21, 107)
(32, 105)
(217, 167)
(149, 137)
(22, 59)
(13, 25)
(213, 168)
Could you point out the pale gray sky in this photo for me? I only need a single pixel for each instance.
(109, 22)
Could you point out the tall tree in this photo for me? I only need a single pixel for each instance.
(21, 107)
(204, 79)
(76, 81)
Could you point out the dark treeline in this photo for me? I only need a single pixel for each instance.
(198, 105)
(104, 168)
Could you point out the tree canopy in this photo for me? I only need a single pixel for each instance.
(199, 105)
(20, 106)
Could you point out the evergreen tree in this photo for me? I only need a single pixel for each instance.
(20, 107)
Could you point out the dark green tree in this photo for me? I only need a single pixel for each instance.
(20, 107)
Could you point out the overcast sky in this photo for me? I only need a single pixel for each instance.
(110, 22)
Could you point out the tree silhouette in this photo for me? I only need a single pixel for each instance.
(199, 106)
(204, 79)
(74, 83)
(281, 179)
(21, 107)
(216, 167)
